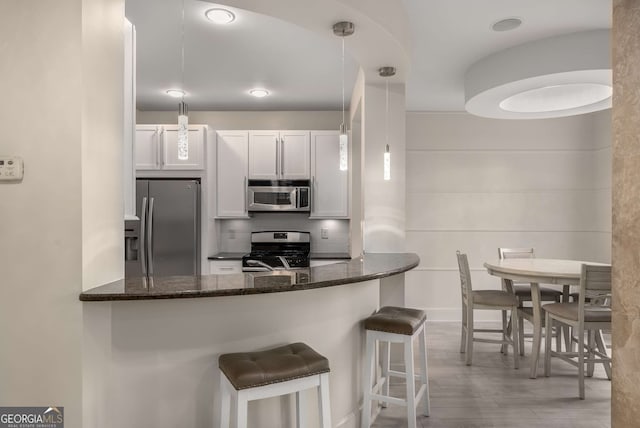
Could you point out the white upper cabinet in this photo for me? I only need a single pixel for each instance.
(195, 159)
(232, 160)
(277, 155)
(147, 146)
(157, 148)
(330, 186)
(264, 162)
(294, 155)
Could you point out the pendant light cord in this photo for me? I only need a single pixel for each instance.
(343, 124)
(182, 52)
(387, 112)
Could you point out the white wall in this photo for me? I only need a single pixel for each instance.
(477, 184)
(66, 71)
(384, 201)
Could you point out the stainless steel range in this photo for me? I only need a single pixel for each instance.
(275, 250)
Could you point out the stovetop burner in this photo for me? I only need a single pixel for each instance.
(272, 250)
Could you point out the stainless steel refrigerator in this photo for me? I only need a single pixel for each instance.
(168, 232)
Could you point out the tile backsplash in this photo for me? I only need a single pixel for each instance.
(234, 235)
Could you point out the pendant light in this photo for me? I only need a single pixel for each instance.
(387, 72)
(343, 29)
(183, 110)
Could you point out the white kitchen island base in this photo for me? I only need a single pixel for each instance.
(153, 363)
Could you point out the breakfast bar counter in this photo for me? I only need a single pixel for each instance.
(368, 267)
(150, 349)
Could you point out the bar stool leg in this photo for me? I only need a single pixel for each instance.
(323, 401)
(386, 356)
(241, 410)
(410, 379)
(225, 402)
(300, 409)
(423, 370)
(368, 376)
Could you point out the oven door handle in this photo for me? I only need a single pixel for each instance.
(257, 264)
(284, 262)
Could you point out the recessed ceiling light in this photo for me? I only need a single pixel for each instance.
(220, 16)
(259, 93)
(557, 98)
(175, 93)
(507, 24)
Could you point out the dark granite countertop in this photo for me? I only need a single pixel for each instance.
(370, 266)
(329, 256)
(312, 256)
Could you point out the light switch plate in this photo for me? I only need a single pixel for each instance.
(11, 168)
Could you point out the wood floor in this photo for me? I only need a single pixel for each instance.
(491, 393)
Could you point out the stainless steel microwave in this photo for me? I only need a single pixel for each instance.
(278, 195)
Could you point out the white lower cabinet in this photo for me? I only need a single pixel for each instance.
(157, 148)
(330, 185)
(222, 267)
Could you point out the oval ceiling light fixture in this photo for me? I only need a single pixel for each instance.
(557, 98)
(176, 93)
(507, 24)
(259, 93)
(220, 16)
(553, 77)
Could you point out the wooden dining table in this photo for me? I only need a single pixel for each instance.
(538, 271)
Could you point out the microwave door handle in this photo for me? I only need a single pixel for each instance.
(294, 197)
(246, 195)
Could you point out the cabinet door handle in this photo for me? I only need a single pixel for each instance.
(277, 157)
(159, 148)
(226, 268)
(282, 157)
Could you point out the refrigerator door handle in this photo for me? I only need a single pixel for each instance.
(143, 232)
(150, 238)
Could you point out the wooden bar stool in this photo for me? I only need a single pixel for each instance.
(248, 376)
(395, 325)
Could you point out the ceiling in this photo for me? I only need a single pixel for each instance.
(302, 68)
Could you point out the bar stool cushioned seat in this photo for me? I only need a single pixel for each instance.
(396, 320)
(391, 324)
(251, 369)
(293, 368)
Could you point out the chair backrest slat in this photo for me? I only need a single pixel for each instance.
(465, 274)
(598, 277)
(595, 285)
(516, 253)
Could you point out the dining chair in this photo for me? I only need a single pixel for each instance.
(485, 300)
(523, 293)
(590, 314)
